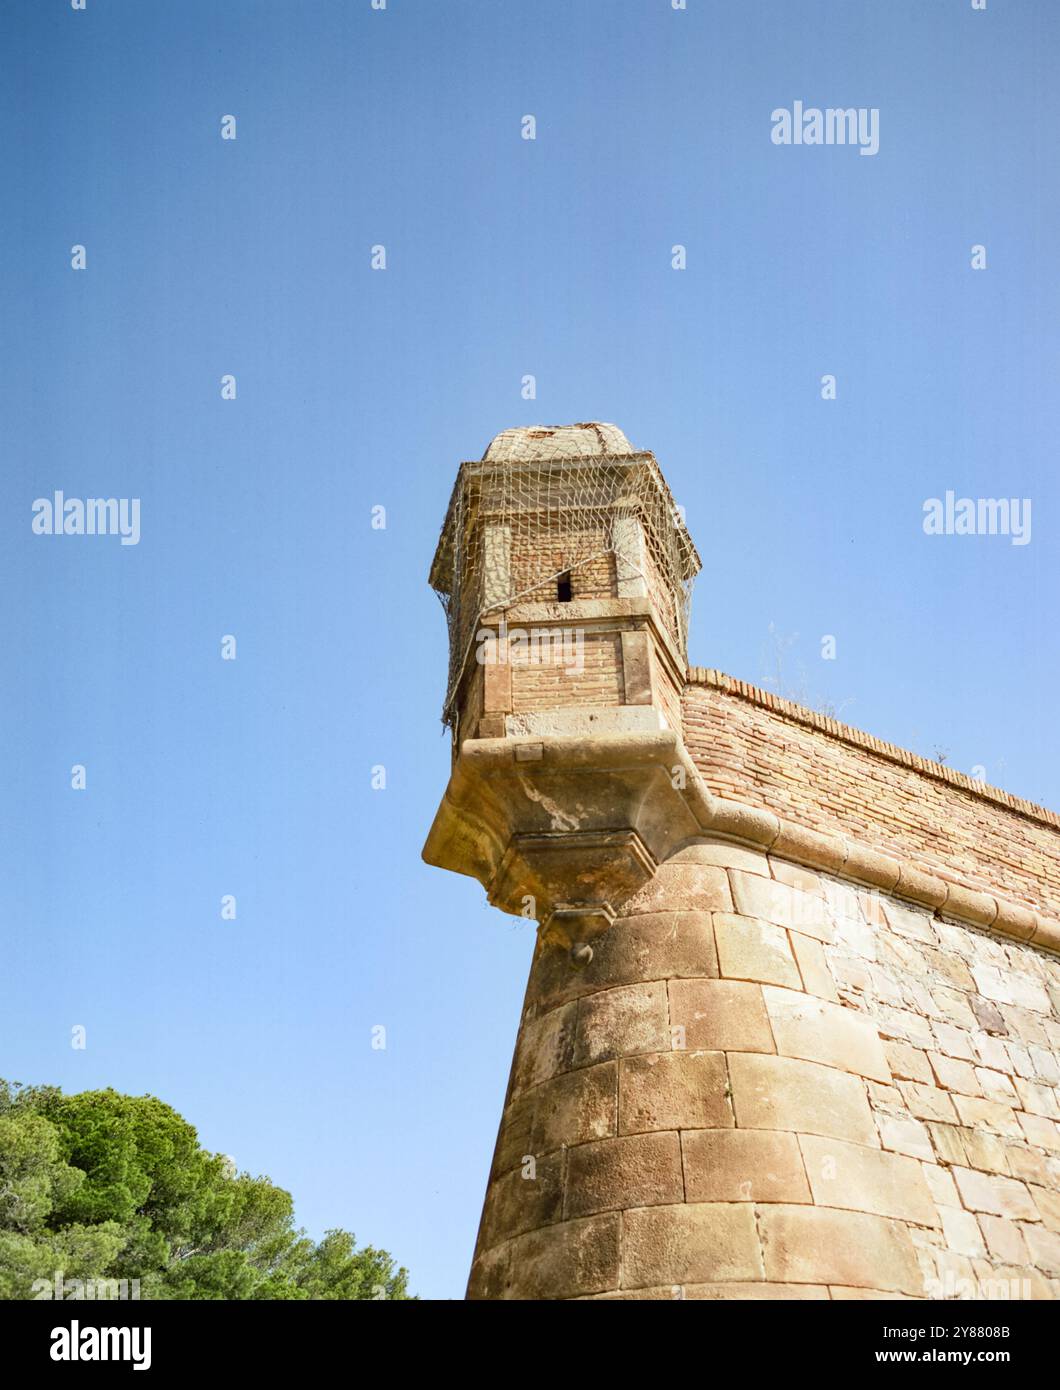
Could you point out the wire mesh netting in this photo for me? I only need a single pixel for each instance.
(526, 529)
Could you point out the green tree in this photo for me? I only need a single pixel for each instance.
(103, 1186)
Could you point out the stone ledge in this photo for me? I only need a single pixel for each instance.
(734, 821)
(616, 793)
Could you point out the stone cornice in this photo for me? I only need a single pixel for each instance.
(509, 800)
(902, 878)
(846, 733)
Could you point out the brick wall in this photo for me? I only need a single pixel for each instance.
(835, 779)
(540, 683)
(771, 1084)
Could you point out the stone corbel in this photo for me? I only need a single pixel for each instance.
(564, 829)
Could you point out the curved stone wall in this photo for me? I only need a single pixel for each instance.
(768, 1083)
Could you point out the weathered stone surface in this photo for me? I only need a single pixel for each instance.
(985, 1151)
(928, 1102)
(962, 1232)
(905, 1136)
(908, 1063)
(565, 1260)
(683, 887)
(1003, 1239)
(749, 949)
(523, 1199)
(573, 1108)
(545, 1048)
(693, 1243)
(634, 950)
(513, 1138)
(941, 1185)
(1037, 1099)
(786, 907)
(735, 1165)
(621, 1022)
(953, 1075)
(1044, 1247)
(861, 1179)
(821, 1032)
(674, 1090)
(720, 1015)
(948, 1142)
(804, 1097)
(724, 855)
(813, 967)
(820, 1245)
(636, 1170)
(997, 1195)
(490, 1273)
(987, 1114)
(1048, 1204)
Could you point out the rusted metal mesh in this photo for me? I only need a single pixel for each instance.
(515, 527)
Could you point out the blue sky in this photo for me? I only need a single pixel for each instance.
(358, 388)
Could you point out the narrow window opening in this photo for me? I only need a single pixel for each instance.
(563, 588)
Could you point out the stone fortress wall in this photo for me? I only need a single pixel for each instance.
(792, 1026)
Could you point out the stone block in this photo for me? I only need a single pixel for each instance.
(1044, 1247)
(720, 1015)
(818, 1031)
(621, 1022)
(690, 1243)
(987, 1114)
(723, 855)
(1011, 987)
(1040, 1131)
(635, 1170)
(954, 1075)
(674, 1090)
(750, 949)
(565, 1260)
(928, 1102)
(519, 1201)
(856, 1178)
(574, 1108)
(1028, 1166)
(546, 1047)
(513, 1138)
(1003, 1239)
(903, 1135)
(633, 950)
(734, 1165)
(784, 906)
(1036, 1099)
(908, 1063)
(813, 967)
(1048, 1203)
(785, 1093)
(962, 1232)
(949, 1146)
(683, 887)
(995, 1085)
(852, 1249)
(941, 1186)
(994, 1194)
(985, 1151)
